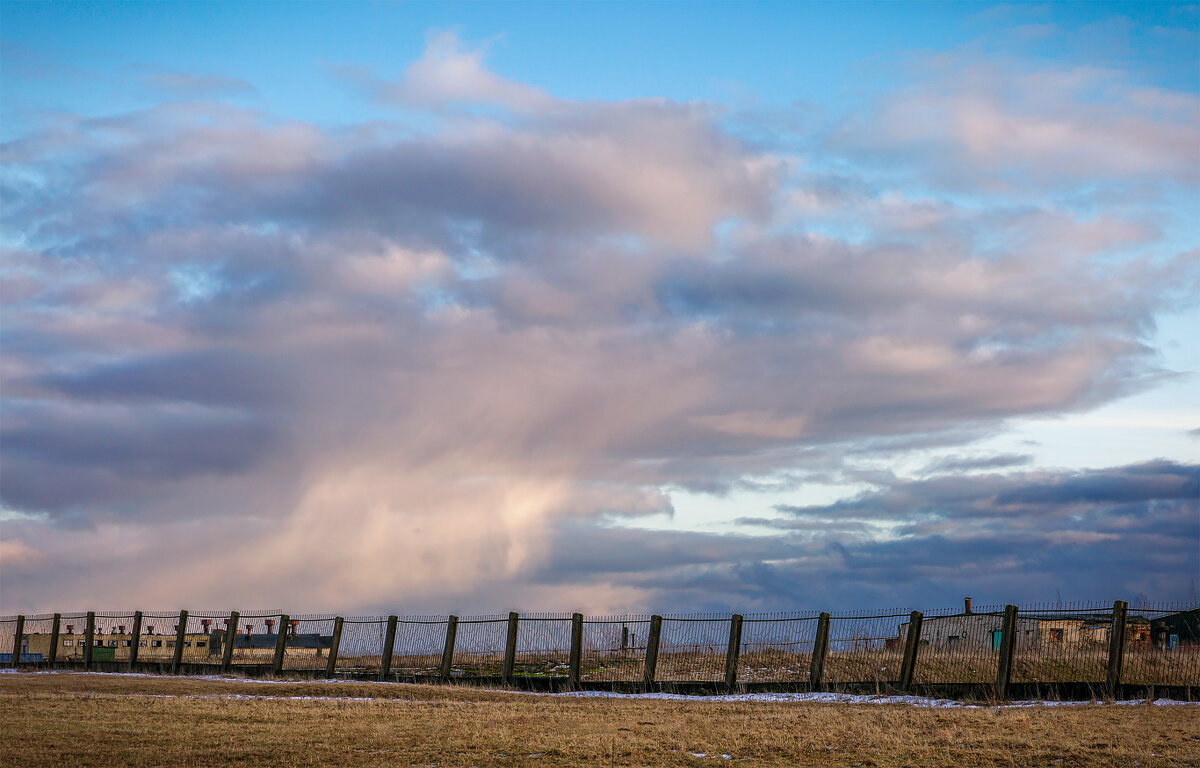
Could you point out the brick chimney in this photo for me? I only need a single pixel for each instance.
(270, 626)
(294, 623)
(150, 630)
(206, 623)
(966, 605)
(70, 629)
(120, 629)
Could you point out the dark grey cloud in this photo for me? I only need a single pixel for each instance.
(214, 377)
(122, 459)
(1133, 530)
(967, 463)
(1043, 495)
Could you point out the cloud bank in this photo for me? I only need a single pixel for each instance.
(434, 362)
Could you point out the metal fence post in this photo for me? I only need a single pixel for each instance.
(335, 643)
(280, 644)
(510, 649)
(1008, 644)
(389, 641)
(16, 649)
(652, 652)
(911, 643)
(54, 630)
(733, 651)
(230, 639)
(135, 641)
(180, 634)
(89, 639)
(448, 651)
(816, 671)
(1116, 646)
(576, 658)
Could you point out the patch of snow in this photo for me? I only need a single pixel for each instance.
(809, 698)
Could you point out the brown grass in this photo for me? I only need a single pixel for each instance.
(103, 720)
(972, 664)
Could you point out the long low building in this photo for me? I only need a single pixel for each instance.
(1047, 629)
(197, 646)
(115, 645)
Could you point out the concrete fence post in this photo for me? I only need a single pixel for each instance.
(52, 657)
(230, 639)
(510, 649)
(816, 671)
(335, 644)
(389, 643)
(1008, 645)
(89, 639)
(135, 639)
(576, 658)
(912, 644)
(17, 637)
(652, 652)
(281, 644)
(448, 651)
(733, 652)
(1116, 646)
(180, 634)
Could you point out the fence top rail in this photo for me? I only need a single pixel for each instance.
(863, 615)
(214, 615)
(763, 618)
(643, 618)
(1065, 614)
(958, 612)
(1097, 610)
(1145, 606)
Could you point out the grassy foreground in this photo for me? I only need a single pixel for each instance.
(105, 720)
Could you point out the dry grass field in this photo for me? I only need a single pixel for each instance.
(976, 665)
(82, 720)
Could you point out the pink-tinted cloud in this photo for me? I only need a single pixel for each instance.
(984, 125)
(347, 368)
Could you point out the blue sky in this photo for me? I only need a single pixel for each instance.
(599, 306)
(743, 52)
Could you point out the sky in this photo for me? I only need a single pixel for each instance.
(424, 308)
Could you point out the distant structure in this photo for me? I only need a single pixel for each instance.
(160, 646)
(1055, 628)
(1177, 631)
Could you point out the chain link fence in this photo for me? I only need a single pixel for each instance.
(614, 648)
(777, 647)
(959, 646)
(419, 644)
(1051, 644)
(693, 648)
(865, 647)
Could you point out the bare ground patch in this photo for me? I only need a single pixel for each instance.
(105, 720)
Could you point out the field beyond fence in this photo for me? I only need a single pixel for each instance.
(1077, 651)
